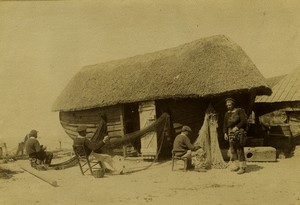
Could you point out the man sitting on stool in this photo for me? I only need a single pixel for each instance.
(37, 151)
(182, 147)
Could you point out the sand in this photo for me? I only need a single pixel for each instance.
(264, 183)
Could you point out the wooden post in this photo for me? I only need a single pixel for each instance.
(122, 130)
(252, 101)
(60, 145)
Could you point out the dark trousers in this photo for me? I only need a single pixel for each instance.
(45, 157)
(237, 151)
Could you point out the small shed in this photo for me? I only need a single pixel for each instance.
(281, 110)
(182, 81)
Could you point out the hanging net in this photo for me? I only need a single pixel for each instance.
(160, 126)
(208, 140)
(100, 132)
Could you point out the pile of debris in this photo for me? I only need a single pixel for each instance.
(6, 173)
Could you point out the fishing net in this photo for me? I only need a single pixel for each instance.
(208, 140)
(160, 126)
(100, 132)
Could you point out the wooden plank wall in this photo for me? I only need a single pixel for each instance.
(91, 118)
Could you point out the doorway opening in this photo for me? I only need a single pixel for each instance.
(132, 124)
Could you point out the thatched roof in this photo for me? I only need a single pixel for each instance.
(202, 68)
(285, 90)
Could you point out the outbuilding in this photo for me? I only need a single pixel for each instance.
(280, 112)
(182, 81)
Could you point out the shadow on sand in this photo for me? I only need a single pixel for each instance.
(253, 168)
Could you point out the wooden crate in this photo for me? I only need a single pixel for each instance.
(260, 154)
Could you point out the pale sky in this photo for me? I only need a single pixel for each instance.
(43, 44)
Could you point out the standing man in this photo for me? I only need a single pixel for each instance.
(235, 124)
(37, 151)
(182, 147)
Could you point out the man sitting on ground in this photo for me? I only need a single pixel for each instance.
(182, 147)
(37, 151)
(94, 149)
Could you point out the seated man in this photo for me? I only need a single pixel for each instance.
(182, 147)
(37, 151)
(94, 149)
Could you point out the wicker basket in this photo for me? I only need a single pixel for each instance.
(99, 173)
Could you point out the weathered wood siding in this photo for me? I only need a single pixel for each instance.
(91, 118)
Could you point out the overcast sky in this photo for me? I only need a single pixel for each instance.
(43, 44)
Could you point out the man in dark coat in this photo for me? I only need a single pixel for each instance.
(94, 149)
(37, 151)
(235, 124)
(88, 144)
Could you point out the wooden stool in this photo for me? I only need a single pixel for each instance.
(37, 164)
(184, 159)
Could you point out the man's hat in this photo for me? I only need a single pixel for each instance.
(186, 128)
(33, 132)
(81, 128)
(230, 100)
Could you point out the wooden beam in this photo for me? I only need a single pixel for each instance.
(38, 174)
(122, 130)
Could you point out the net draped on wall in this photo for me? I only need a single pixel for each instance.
(160, 126)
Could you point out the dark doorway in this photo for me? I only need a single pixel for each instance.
(132, 123)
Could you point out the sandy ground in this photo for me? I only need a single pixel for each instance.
(264, 183)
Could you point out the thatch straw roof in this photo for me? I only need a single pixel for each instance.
(285, 90)
(202, 68)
